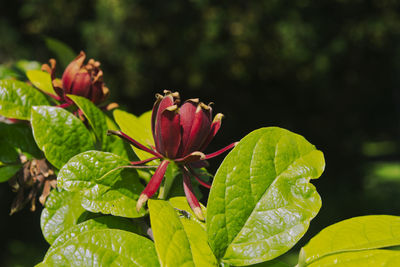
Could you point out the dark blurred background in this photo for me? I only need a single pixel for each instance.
(328, 70)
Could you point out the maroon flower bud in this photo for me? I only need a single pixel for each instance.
(84, 80)
(180, 135)
(79, 79)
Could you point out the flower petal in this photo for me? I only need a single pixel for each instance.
(153, 184)
(187, 112)
(170, 131)
(81, 85)
(71, 70)
(200, 129)
(214, 130)
(166, 102)
(192, 157)
(190, 196)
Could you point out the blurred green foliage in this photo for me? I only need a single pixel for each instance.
(328, 70)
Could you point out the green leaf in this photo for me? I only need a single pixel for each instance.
(138, 128)
(17, 98)
(103, 222)
(41, 80)
(355, 234)
(103, 247)
(178, 241)
(63, 52)
(59, 134)
(261, 201)
(374, 257)
(8, 171)
(19, 136)
(104, 186)
(8, 153)
(95, 117)
(100, 123)
(62, 211)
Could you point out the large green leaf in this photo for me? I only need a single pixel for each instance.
(139, 128)
(94, 115)
(366, 258)
(41, 80)
(17, 98)
(261, 201)
(355, 234)
(8, 171)
(62, 211)
(103, 185)
(103, 222)
(179, 241)
(59, 134)
(103, 247)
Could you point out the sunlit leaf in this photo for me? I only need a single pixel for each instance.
(355, 234)
(41, 80)
(59, 134)
(179, 241)
(103, 185)
(261, 201)
(17, 99)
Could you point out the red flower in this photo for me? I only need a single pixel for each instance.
(79, 79)
(180, 135)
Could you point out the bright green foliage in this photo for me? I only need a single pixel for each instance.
(103, 222)
(355, 234)
(98, 121)
(261, 201)
(139, 128)
(364, 258)
(8, 171)
(179, 241)
(17, 98)
(103, 247)
(59, 134)
(62, 211)
(103, 185)
(41, 80)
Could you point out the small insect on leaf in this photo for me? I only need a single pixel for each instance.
(183, 213)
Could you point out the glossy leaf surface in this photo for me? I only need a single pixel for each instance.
(62, 211)
(102, 222)
(179, 241)
(59, 134)
(365, 258)
(17, 99)
(103, 247)
(355, 234)
(41, 80)
(261, 201)
(104, 186)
